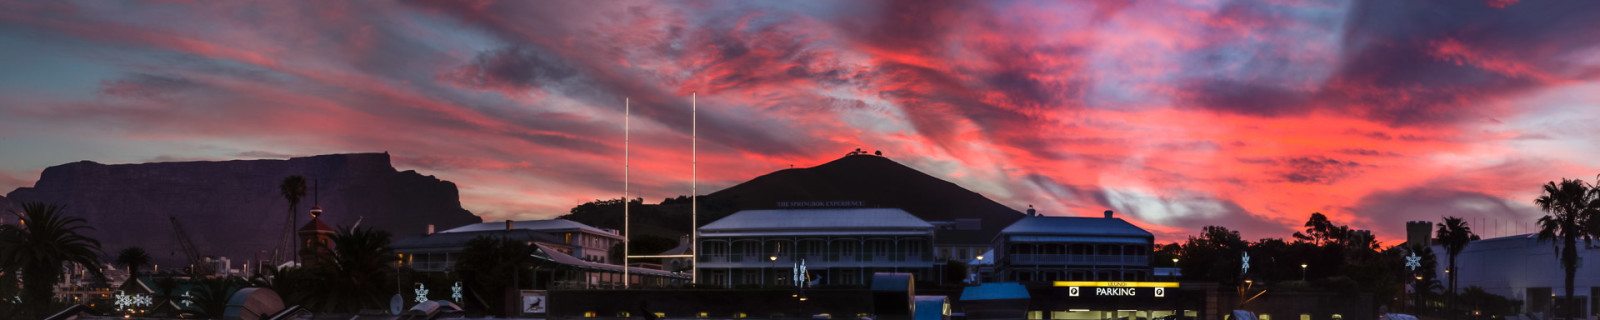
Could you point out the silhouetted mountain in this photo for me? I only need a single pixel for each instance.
(855, 180)
(875, 181)
(234, 209)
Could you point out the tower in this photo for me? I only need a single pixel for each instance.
(316, 239)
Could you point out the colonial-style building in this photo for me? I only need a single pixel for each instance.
(837, 246)
(1045, 249)
(582, 252)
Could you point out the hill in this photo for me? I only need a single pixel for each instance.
(854, 180)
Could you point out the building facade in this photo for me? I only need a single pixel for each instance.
(439, 251)
(1521, 268)
(1047, 249)
(764, 248)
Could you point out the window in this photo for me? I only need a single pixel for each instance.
(1264, 317)
(1035, 315)
(1305, 316)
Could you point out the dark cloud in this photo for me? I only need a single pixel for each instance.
(516, 68)
(1188, 213)
(1317, 169)
(1386, 211)
(1419, 63)
(1368, 152)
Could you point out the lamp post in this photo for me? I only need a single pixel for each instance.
(975, 269)
(1302, 272)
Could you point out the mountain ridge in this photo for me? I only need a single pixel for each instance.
(233, 208)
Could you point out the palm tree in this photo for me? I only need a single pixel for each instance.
(293, 188)
(45, 239)
(211, 295)
(1454, 234)
(1573, 206)
(359, 275)
(133, 258)
(490, 264)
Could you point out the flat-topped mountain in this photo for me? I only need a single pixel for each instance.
(234, 208)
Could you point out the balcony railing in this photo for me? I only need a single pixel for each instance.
(818, 259)
(1079, 259)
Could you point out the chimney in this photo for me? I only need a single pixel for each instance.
(1108, 214)
(1031, 212)
(509, 224)
(430, 230)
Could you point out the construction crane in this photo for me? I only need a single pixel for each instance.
(200, 267)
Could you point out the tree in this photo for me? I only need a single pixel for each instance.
(1572, 206)
(1213, 256)
(45, 239)
(133, 258)
(1453, 234)
(359, 275)
(293, 188)
(489, 266)
(1318, 230)
(211, 295)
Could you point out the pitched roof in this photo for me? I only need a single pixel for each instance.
(544, 251)
(316, 225)
(457, 240)
(540, 225)
(1076, 226)
(817, 220)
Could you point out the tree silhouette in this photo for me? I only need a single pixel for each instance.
(133, 258)
(1572, 206)
(44, 240)
(1453, 234)
(293, 188)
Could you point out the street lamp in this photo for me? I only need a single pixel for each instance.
(1302, 272)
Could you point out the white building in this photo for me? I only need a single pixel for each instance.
(1044, 249)
(1520, 268)
(438, 251)
(838, 246)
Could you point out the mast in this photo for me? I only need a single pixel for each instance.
(626, 111)
(694, 193)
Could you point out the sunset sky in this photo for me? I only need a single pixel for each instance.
(1177, 114)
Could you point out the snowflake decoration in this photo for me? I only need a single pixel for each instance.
(123, 301)
(188, 299)
(1246, 267)
(455, 292)
(422, 293)
(1413, 261)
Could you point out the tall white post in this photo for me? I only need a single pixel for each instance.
(627, 110)
(694, 185)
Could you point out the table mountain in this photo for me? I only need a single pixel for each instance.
(233, 208)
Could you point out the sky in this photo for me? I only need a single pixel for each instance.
(1176, 114)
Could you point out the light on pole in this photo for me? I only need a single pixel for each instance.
(1302, 272)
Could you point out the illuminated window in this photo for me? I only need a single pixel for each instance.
(1305, 316)
(1035, 315)
(1265, 317)
(1338, 316)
